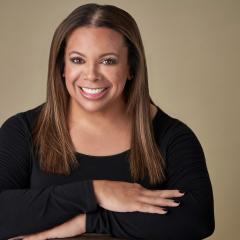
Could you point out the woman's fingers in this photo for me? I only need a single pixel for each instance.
(143, 207)
(128, 197)
(162, 193)
(157, 201)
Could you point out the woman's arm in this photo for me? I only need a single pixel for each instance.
(125, 197)
(193, 219)
(24, 210)
(74, 227)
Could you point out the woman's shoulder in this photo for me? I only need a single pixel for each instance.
(164, 122)
(25, 119)
(168, 127)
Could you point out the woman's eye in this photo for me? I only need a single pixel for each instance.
(109, 61)
(77, 60)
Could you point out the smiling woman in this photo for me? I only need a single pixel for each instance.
(96, 67)
(99, 156)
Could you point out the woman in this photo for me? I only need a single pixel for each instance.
(99, 156)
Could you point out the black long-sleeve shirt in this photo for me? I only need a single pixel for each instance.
(32, 200)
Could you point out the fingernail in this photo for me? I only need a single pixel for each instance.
(182, 192)
(178, 202)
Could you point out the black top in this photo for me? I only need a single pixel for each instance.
(32, 200)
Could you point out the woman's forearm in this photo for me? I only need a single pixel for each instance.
(75, 226)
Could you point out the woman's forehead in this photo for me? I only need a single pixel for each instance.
(96, 37)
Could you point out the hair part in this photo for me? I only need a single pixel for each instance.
(51, 134)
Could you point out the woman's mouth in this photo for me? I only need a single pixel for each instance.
(93, 93)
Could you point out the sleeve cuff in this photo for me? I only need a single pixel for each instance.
(92, 202)
(91, 221)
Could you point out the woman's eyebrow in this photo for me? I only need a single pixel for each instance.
(101, 55)
(109, 53)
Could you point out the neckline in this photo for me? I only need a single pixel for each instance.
(154, 121)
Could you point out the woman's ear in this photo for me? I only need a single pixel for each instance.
(63, 70)
(130, 75)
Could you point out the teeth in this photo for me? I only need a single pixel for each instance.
(93, 91)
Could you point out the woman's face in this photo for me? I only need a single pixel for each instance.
(96, 68)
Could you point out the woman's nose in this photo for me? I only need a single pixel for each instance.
(91, 72)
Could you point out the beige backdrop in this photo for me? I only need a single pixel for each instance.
(193, 56)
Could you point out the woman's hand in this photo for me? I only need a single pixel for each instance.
(130, 197)
(75, 226)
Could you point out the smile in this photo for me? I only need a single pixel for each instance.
(93, 90)
(93, 93)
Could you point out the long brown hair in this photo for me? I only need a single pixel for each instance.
(51, 134)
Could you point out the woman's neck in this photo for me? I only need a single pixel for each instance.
(97, 120)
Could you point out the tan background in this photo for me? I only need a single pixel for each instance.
(193, 56)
